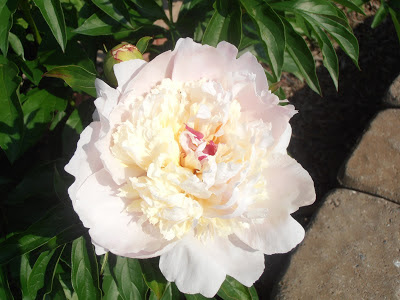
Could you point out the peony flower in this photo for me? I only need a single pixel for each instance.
(187, 160)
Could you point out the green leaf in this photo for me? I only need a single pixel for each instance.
(127, 274)
(84, 270)
(115, 9)
(153, 276)
(271, 32)
(11, 119)
(24, 272)
(39, 110)
(76, 77)
(7, 10)
(342, 35)
(55, 223)
(351, 5)
(380, 15)
(232, 289)
(329, 18)
(52, 12)
(5, 292)
(150, 9)
(298, 50)
(32, 70)
(36, 277)
(109, 286)
(143, 43)
(330, 61)
(225, 24)
(50, 273)
(16, 45)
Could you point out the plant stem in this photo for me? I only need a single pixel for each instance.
(170, 11)
(25, 7)
(103, 265)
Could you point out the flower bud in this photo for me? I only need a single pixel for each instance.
(121, 52)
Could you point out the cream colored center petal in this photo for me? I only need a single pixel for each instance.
(203, 162)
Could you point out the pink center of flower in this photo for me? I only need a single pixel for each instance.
(209, 148)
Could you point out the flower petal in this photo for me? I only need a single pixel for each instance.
(106, 101)
(274, 235)
(281, 172)
(110, 225)
(247, 63)
(126, 70)
(198, 267)
(86, 160)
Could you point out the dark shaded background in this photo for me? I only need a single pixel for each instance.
(327, 128)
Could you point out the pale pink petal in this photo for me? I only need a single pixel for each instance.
(149, 75)
(110, 226)
(198, 267)
(277, 234)
(126, 70)
(247, 63)
(86, 159)
(107, 100)
(227, 50)
(289, 186)
(193, 61)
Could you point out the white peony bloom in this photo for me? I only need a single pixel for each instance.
(187, 160)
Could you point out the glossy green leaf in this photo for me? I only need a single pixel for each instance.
(55, 223)
(98, 24)
(32, 70)
(115, 9)
(76, 77)
(16, 45)
(11, 119)
(380, 15)
(127, 274)
(5, 292)
(143, 43)
(53, 14)
(150, 9)
(109, 285)
(84, 274)
(24, 273)
(36, 277)
(330, 61)
(232, 289)
(50, 273)
(329, 18)
(7, 10)
(153, 277)
(307, 6)
(343, 36)
(39, 110)
(225, 24)
(298, 50)
(271, 32)
(351, 5)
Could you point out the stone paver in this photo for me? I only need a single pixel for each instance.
(351, 251)
(392, 97)
(374, 166)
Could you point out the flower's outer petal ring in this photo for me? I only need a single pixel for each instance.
(110, 226)
(106, 102)
(273, 236)
(196, 267)
(149, 76)
(289, 186)
(248, 63)
(86, 159)
(126, 70)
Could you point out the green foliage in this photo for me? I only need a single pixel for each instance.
(50, 58)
